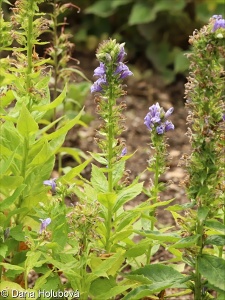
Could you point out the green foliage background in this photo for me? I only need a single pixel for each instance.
(155, 31)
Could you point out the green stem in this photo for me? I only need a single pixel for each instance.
(83, 272)
(29, 48)
(110, 157)
(55, 54)
(154, 198)
(198, 281)
(110, 143)
(23, 172)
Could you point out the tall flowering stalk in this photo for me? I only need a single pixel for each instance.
(158, 124)
(206, 118)
(110, 75)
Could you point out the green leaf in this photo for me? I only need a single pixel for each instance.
(56, 143)
(7, 98)
(121, 235)
(109, 266)
(4, 151)
(141, 13)
(26, 124)
(74, 152)
(7, 164)
(32, 260)
(11, 199)
(116, 4)
(218, 240)
(101, 8)
(181, 63)
(156, 235)
(11, 267)
(126, 218)
(42, 156)
(42, 84)
(186, 242)
(139, 278)
(162, 277)
(138, 249)
(65, 128)
(99, 180)
(202, 213)
(42, 280)
(102, 285)
(10, 287)
(74, 172)
(9, 182)
(212, 268)
(107, 199)
(139, 292)
(113, 292)
(17, 233)
(127, 194)
(118, 171)
(54, 103)
(3, 250)
(99, 158)
(214, 224)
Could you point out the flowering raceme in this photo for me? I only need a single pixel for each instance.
(111, 65)
(157, 118)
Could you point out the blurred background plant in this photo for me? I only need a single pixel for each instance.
(155, 31)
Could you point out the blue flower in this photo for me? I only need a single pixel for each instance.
(169, 112)
(97, 85)
(219, 23)
(121, 54)
(153, 116)
(223, 117)
(160, 129)
(124, 151)
(123, 70)
(217, 17)
(157, 118)
(44, 224)
(51, 183)
(100, 71)
(168, 125)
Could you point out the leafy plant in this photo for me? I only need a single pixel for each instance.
(76, 234)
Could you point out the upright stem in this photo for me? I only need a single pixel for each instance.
(23, 171)
(110, 156)
(198, 281)
(152, 213)
(110, 145)
(55, 54)
(29, 49)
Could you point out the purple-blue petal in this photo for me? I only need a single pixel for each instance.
(51, 183)
(121, 54)
(123, 70)
(169, 112)
(100, 71)
(223, 117)
(217, 17)
(219, 23)
(97, 85)
(169, 126)
(160, 129)
(44, 224)
(124, 151)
